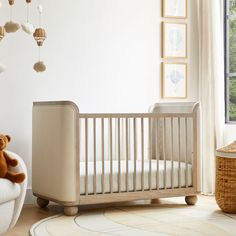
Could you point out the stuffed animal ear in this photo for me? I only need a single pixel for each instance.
(8, 138)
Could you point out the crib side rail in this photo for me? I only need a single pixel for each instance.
(133, 115)
(119, 153)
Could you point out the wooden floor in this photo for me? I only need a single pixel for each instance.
(30, 215)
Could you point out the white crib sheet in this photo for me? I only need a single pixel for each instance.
(131, 175)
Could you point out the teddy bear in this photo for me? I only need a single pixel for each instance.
(6, 161)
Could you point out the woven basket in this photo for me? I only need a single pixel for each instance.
(226, 178)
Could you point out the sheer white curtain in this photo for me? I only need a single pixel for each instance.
(211, 85)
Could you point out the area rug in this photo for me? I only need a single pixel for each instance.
(141, 220)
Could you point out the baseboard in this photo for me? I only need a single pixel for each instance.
(30, 198)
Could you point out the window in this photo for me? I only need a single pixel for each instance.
(230, 60)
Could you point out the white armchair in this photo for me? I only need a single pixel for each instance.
(12, 197)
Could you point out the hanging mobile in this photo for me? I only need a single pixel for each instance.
(27, 27)
(10, 26)
(40, 36)
(2, 34)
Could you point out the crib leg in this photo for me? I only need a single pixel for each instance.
(71, 210)
(155, 201)
(42, 202)
(191, 200)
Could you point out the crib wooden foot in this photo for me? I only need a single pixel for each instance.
(155, 201)
(42, 202)
(191, 200)
(71, 210)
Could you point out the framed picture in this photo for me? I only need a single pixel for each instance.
(174, 40)
(175, 9)
(174, 80)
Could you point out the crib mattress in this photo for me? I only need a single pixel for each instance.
(131, 175)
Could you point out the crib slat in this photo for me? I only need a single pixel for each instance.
(95, 157)
(157, 156)
(78, 165)
(179, 155)
(150, 153)
(127, 153)
(195, 151)
(103, 156)
(142, 150)
(119, 175)
(192, 148)
(172, 158)
(111, 157)
(135, 155)
(186, 152)
(131, 148)
(164, 152)
(86, 156)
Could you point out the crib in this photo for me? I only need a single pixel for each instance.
(82, 159)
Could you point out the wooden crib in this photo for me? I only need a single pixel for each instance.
(103, 158)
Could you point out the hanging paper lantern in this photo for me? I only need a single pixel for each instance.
(39, 66)
(40, 36)
(11, 2)
(0, 3)
(2, 32)
(11, 27)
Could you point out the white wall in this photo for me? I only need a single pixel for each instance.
(102, 54)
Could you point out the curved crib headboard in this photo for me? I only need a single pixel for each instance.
(55, 149)
(172, 128)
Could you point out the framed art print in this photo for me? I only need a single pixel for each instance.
(175, 9)
(174, 40)
(174, 80)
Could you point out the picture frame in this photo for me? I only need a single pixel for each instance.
(174, 40)
(177, 9)
(174, 80)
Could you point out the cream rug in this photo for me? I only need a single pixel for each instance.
(168, 218)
